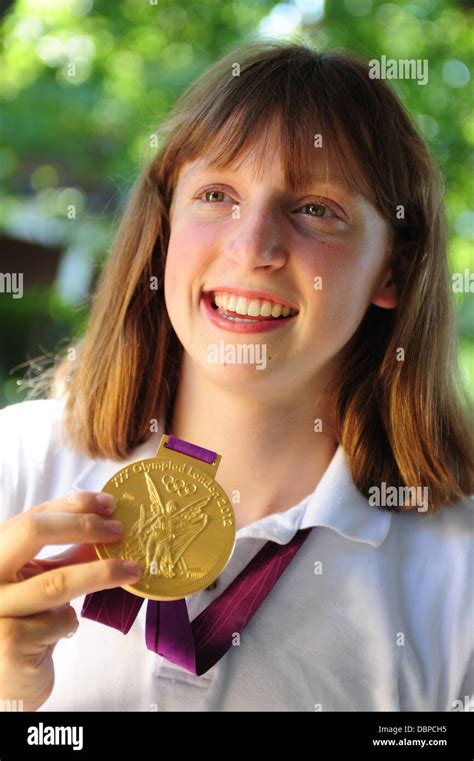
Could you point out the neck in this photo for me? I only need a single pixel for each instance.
(271, 455)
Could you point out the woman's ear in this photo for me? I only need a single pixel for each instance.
(387, 296)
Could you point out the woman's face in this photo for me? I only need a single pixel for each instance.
(321, 251)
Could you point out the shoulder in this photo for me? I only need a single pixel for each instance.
(32, 426)
(438, 541)
(32, 453)
(433, 557)
(445, 528)
(24, 415)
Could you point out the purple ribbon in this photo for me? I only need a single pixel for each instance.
(198, 645)
(191, 450)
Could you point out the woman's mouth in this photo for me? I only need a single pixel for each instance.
(246, 315)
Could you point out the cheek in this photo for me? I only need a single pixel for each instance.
(334, 269)
(339, 300)
(189, 250)
(187, 261)
(179, 263)
(174, 267)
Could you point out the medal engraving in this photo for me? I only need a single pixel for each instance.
(178, 524)
(163, 533)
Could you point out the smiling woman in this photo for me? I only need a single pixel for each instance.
(399, 421)
(294, 204)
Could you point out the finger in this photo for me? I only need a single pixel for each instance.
(79, 553)
(52, 588)
(79, 502)
(21, 540)
(31, 634)
(57, 624)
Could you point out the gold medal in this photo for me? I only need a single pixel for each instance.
(178, 523)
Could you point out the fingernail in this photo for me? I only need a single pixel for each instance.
(114, 527)
(132, 569)
(107, 502)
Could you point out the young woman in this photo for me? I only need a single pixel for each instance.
(292, 207)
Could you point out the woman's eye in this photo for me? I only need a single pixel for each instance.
(212, 196)
(318, 210)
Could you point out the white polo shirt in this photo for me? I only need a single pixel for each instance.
(374, 613)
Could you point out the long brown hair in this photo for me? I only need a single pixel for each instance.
(400, 422)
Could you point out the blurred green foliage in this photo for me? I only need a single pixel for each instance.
(84, 84)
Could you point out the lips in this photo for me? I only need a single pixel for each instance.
(241, 323)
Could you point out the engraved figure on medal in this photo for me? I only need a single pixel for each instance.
(178, 523)
(162, 535)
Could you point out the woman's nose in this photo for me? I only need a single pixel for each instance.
(256, 241)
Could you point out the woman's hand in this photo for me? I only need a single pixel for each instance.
(34, 594)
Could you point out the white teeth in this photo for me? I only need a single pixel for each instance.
(251, 307)
(241, 307)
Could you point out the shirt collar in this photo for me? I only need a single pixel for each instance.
(335, 503)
